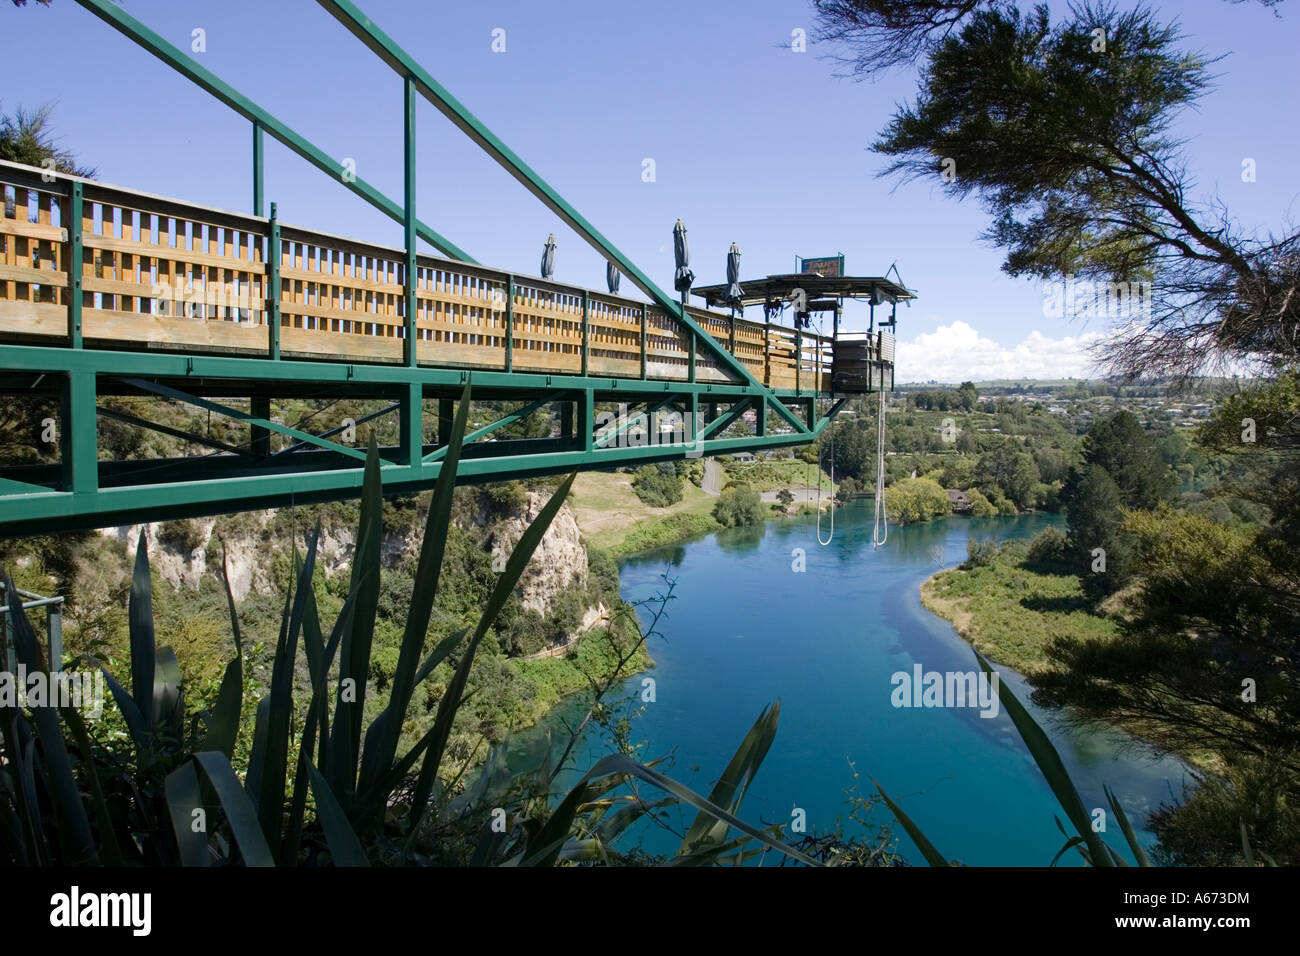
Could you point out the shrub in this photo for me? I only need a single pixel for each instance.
(980, 554)
(658, 485)
(1048, 551)
(980, 507)
(738, 505)
(915, 499)
(504, 498)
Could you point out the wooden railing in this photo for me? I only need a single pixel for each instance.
(162, 274)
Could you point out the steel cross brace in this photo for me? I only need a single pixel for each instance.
(174, 432)
(136, 31)
(608, 436)
(510, 419)
(723, 422)
(169, 392)
(365, 29)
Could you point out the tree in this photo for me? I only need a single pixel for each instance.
(1095, 518)
(980, 507)
(738, 505)
(1122, 447)
(915, 499)
(786, 499)
(1064, 133)
(658, 485)
(25, 137)
(1011, 471)
(967, 396)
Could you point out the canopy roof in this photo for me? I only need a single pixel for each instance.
(775, 288)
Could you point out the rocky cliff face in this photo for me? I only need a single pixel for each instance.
(559, 563)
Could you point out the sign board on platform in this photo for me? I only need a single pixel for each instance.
(827, 266)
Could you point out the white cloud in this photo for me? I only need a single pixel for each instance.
(957, 353)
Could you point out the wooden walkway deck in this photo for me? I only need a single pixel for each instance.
(161, 274)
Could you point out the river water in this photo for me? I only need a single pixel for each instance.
(744, 629)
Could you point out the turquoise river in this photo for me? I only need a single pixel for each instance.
(744, 629)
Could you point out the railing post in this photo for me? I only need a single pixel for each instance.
(587, 418)
(767, 354)
(690, 350)
(586, 331)
(54, 624)
(257, 168)
(510, 323)
(644, 326)
(78, 434)
(412, 267)
(74, 263)
(273, 286)
(798, 356)
(760, 422)
(411, 423)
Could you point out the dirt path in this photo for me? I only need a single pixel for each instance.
(711, 483)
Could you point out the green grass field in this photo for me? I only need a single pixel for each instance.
(1010, 613)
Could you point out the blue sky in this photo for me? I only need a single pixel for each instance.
(752, 142)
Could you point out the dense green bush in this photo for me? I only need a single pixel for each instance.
(658, 485)
(738, 505)
(915, 499)
(980, 507)
(1049, 551)
(980, 554)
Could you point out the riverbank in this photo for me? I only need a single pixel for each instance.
(614, 520)
(1011, 613)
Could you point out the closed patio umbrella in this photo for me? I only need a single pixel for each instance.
(683, 277)
(734, 294)
(612, 276)
(548, 257)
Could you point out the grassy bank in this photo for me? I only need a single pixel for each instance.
(1010, 613)
(555, 678)
(614, 520)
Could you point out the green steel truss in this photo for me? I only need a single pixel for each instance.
(80, 491)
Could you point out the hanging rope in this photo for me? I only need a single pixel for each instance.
(882, 518)
(818, 384)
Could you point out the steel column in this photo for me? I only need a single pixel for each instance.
(79, 434)
(74, 265)
(510, 323)
(257, 168)
(273, 285)
(412, 267)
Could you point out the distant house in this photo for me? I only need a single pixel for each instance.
(743, 457)
(959, 500)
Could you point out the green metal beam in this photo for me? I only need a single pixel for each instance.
(136, 31)
(258, 180)
(27, 358)
(365, 29)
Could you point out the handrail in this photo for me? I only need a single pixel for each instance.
(338, 296)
